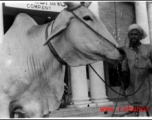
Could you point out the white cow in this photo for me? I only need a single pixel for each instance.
(31, 77)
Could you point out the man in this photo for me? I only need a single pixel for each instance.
(137, 65)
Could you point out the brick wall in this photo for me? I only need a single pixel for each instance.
(117, 16)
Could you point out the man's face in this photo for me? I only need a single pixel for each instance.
(134, 36)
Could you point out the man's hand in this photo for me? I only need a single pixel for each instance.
(149, 70)
(125, 79)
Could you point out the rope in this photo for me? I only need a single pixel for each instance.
(116, 103)
(116, 21)
(112, 88)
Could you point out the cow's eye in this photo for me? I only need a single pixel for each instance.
(87, 18)
(18, 115)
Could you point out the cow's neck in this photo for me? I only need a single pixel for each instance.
(65, 51)
(56, 69)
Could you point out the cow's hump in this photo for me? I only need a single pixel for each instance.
(19, 28)
(14, 42)
(24, 21)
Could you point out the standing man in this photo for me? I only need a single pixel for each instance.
(137, 65)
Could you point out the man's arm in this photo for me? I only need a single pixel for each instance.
(125, 73)
(150, 51)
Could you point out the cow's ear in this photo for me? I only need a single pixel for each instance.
(60, 23)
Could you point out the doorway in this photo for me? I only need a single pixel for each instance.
(112, 79)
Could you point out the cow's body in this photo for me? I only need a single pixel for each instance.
(31, 78)
(27, 66)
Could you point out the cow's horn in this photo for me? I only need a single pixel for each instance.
(87, 4)
(72, 5)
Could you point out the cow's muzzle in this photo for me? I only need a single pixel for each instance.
(122, 52)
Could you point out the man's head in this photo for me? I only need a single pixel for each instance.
(135, 34)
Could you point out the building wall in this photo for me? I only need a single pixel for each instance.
(117, 16)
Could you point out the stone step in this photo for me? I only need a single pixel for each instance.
(88, 111)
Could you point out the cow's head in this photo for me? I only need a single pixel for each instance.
(89, 45)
